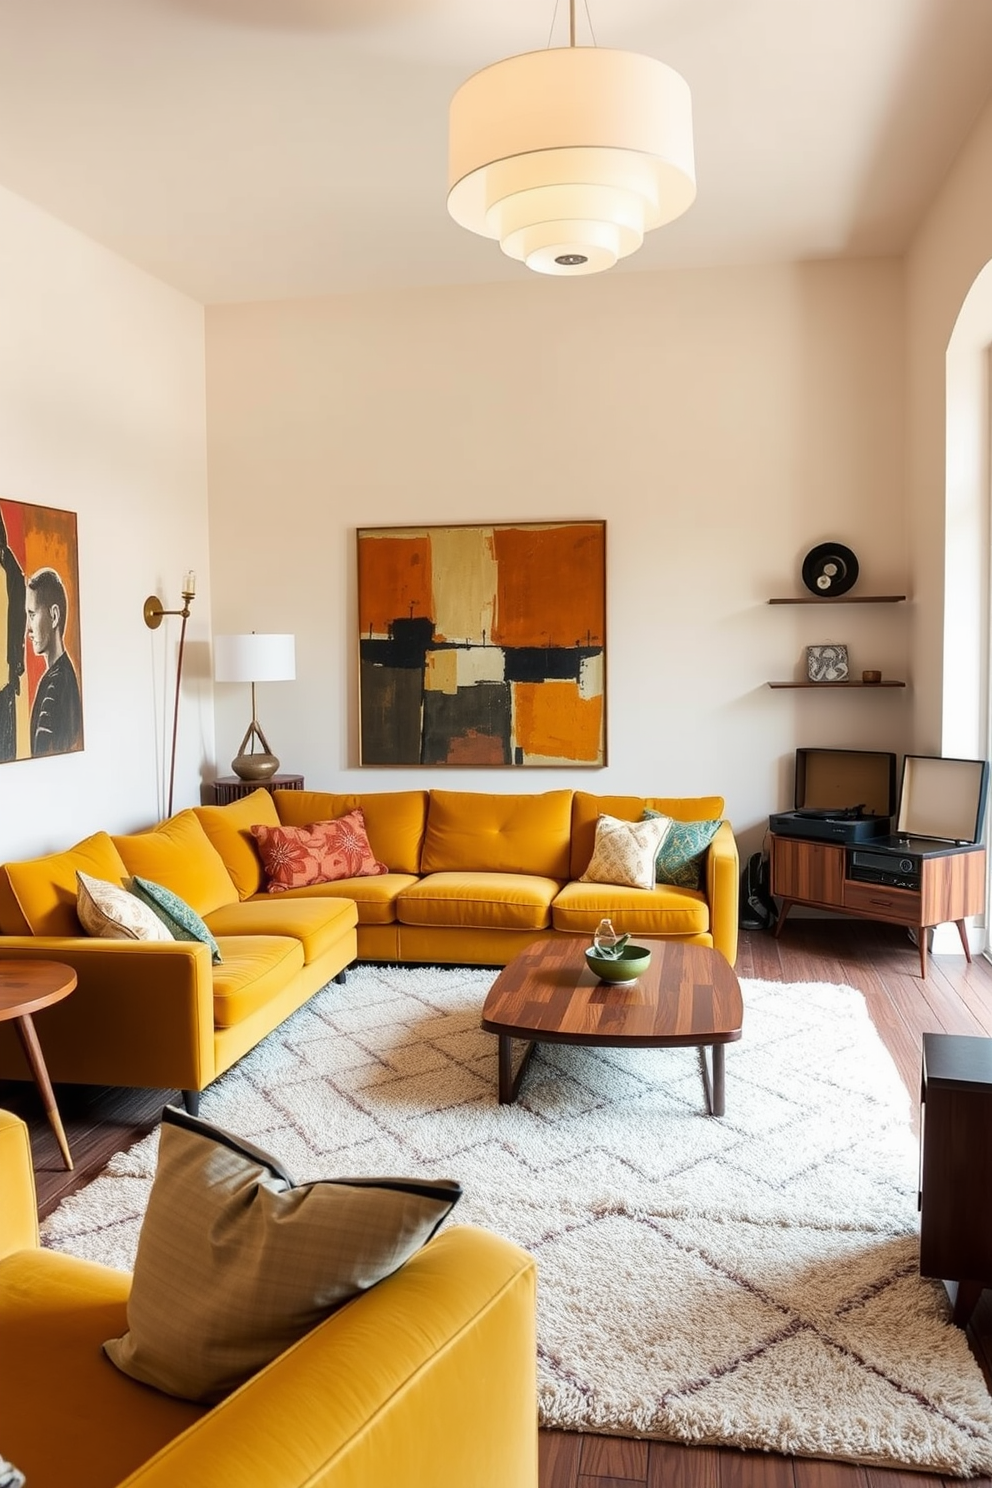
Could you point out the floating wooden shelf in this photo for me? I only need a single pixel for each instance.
(825, 686)
(816, 599)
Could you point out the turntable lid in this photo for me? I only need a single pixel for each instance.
(846, 777)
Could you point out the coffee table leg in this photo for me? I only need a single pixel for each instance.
(509, 1083)
(715, 1084)
(32, 1053)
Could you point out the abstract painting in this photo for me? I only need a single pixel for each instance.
(41, 709)
(483, 644)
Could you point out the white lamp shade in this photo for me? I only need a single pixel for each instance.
(254, 658)
(569, 155)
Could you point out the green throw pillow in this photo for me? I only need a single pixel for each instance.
(178, 916)
(680, 857)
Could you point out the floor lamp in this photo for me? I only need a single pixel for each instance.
(254, 658)
(153, 612)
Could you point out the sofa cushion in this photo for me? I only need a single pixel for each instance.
(683, 852)
(316, 923)
(45, 888)
(229, 829)
(110, 912)
(483, 901)
(663, 910)
(254, 969)
(179, 855)
(375, 898)
(480, 832)
(587, 809)
(394, 820)
(625, 852)
(235, 1261)
(323, 852)
(55, 1312)
(181, 921)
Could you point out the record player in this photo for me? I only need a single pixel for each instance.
(841, 795)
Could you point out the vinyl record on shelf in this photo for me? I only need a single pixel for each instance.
(830, 569)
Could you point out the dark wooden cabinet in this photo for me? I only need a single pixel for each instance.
(230, 788)
(956, 1167)
(806, 872)
(951, 887)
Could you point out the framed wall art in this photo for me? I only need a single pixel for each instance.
(41, 709)
(827, 663)
(483, 644)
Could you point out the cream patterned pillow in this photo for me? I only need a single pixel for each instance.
(108, 910)
(625, 851)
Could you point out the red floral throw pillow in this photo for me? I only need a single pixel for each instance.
(294, 857)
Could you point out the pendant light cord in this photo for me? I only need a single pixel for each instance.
(571, 23)
(551, 33)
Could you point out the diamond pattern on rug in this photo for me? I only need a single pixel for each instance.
(751, 1280)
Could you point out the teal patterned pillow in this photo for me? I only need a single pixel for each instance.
(680, 857)
(179, 917)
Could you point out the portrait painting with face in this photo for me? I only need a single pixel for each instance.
(41, 711)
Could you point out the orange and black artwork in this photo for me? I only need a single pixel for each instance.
(483, 644)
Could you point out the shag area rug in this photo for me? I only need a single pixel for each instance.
(751, 1281)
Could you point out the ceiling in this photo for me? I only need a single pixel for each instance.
(270, 149)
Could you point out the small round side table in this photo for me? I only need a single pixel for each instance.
(25, 988)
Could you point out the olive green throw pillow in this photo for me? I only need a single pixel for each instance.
(235, 1261)
(680, 857)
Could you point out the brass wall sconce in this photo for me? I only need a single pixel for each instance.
(153, 612)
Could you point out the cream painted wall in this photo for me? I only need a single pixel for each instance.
(722, 421)
(948, 254)
(102, 413)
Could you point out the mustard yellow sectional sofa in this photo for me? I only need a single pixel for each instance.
(476, 877)
(427, 1380)
(473, 878)
(159, 1014)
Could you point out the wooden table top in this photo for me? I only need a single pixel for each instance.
(26, 986)
(688, 995)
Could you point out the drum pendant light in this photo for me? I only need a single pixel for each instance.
(569, 155)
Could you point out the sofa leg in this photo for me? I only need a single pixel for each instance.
(342, 976)
(191, 1100)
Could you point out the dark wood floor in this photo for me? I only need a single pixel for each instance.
(878, 960)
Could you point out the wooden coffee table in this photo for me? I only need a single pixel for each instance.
(689, 996)
(26, 987)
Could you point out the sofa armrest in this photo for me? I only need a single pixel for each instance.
(142, 1013)
(723, 886)
(18, 1204)
(428, 1380)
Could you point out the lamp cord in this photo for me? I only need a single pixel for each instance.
(571, 23)
(175, 710)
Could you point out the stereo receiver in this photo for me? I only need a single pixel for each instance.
(891, 869)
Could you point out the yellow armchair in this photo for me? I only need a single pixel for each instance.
(428, 1379)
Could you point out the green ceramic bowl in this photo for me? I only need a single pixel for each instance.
(634, 960)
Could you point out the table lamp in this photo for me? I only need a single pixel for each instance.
(254, 658)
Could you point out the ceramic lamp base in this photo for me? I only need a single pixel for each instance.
(254, 766)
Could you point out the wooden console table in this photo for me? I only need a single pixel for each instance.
(952, 886)
(230, 788)
(956, 1167)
